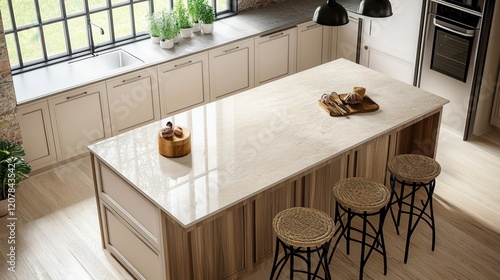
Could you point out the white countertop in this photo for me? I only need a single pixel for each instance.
(248, 142)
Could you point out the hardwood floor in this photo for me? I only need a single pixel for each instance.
(57, 231)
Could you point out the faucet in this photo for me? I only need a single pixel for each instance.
(91, 39)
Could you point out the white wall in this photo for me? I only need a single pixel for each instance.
(489, 81)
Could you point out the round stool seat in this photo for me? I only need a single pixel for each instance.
(361, 195)
(414, 168)
(303, 227)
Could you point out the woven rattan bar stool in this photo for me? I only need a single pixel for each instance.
(302, 230)
(413, 172)
(362, 198)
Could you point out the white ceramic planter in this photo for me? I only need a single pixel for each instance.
(186, 32)
(155, 40)
(197, 27)
(167, 44)
(177, 38)
(207, 28)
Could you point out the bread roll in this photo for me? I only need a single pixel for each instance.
(359, 90)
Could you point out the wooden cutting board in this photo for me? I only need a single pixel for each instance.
(368, 105)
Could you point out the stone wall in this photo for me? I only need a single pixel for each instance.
(9, 125)
(249, 4)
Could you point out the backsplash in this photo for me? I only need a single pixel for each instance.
(9, 125)
(249, 4)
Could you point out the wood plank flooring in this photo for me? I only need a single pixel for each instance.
(57, 231)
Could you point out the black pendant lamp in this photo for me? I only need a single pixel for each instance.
(331, 14)
(375, 8)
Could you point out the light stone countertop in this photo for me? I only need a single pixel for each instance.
(249, 142)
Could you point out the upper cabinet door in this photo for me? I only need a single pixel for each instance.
(183, 83)
(309, 45)
(347, 40)
(275, 55)
(133, 100)
(231, 69)
(79, 118)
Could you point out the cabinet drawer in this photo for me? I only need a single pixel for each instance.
(135, 254)
(143, 215)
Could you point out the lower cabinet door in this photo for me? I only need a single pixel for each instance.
(79, 117)
(183, 83)
(36, 130)
(131, 250)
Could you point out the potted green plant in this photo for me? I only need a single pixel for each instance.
(13, 169)
(207, 17)
(194, 9)
(185, 23)
(168, 30)
(154, 25)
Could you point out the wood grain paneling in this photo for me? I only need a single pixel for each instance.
(266, 207)
(218, 247)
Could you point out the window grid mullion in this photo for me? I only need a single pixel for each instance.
(69, 49)
(16, 35)
(111, 22)
(40, 31)
(132, 17)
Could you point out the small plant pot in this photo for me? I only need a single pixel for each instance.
(186, 32)
(197, 27)
(207, 28)
(167, 44)
(177, 38)
(155, 40)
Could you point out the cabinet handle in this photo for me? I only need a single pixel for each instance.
(275, 35)
(312, 25)
(366, 47)
(182, 64)
(76, 95)
(132, 79)
(230, 50)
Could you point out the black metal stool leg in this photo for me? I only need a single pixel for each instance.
(363, 242)
(276, 253)
(410, 221)
(348, 229)
(433, 223)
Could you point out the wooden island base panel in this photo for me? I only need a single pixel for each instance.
(208, 215)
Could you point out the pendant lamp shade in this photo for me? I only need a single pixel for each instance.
(331, 14)
(375, 8)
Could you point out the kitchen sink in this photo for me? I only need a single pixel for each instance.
(104, 62)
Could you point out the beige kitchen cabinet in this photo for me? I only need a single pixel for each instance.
(275, 55)
(312, 47)
(183, 83)
(133, 100)
(79, 117)
(345, 42)
(131, 225)
(231, 68)
(36, 131)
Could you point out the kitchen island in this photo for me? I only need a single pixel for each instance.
(208, 215)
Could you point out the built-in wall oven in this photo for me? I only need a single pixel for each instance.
(449, 54)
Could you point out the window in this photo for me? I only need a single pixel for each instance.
(41, 32)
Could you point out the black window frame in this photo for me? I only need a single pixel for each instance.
(64, 18)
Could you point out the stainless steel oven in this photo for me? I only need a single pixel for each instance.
(449, 54)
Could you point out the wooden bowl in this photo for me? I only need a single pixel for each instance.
(175, 146)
